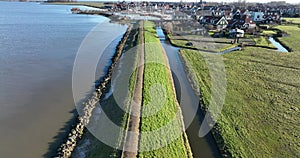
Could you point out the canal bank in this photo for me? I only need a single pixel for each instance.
(189, 103)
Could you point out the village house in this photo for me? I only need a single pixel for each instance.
(241, 20)
(217, 23)
(244, 23)
(272, 17)
(180, 16)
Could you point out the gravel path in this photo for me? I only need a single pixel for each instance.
(132, 139)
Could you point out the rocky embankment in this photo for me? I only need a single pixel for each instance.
(65, 149)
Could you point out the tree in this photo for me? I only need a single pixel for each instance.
(169, 27)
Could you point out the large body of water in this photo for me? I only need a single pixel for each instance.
(38, 45)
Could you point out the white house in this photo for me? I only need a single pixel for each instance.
(221, 23)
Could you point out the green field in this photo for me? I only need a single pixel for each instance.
(293, 39)
(268, 32)
(227, 47)
(199, 45)
(261, 116)
(218, 44)
(293, 20)
(168, 116)
(263, 41)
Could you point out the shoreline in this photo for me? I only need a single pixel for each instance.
(90, 145)
(75, 134)
(77, 129)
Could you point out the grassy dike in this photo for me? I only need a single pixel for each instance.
(94, 147)
(260, 117)
(168, 113)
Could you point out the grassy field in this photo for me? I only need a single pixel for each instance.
(168, 116)
(216, 44)
(293, 20)
(200, 45)
(182, 43)
(293, 39)
(227, 47)
(263, 41)
(268, 32)
(261, 115)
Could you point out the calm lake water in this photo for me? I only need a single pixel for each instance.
(38, 45)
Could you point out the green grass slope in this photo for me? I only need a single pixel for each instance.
(261, 116)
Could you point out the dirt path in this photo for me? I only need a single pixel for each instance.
(130, 149)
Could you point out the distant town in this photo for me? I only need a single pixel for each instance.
(232, 20)
(240, 14)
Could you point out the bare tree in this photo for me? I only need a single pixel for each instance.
(169, 27)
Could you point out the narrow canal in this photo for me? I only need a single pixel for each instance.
(189, 103)
(280, 47)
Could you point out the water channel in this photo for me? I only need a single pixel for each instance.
(189, 103)
(280, 48)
